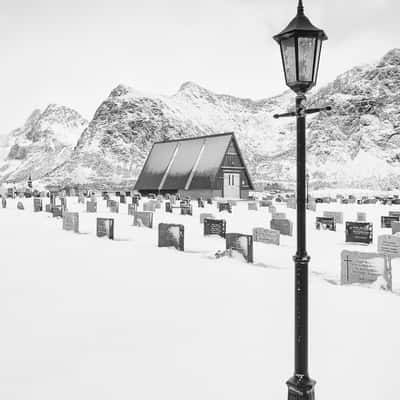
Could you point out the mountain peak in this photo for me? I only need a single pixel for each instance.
(126, 90)
(391, 58)
(190, 86)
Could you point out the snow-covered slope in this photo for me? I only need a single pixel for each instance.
(45, 141)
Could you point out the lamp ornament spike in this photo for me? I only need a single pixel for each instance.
(300, 8)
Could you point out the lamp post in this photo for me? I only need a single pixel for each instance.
(300, 43)
(307, 187)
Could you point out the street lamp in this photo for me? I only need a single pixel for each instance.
(300, 43)
(307, 187)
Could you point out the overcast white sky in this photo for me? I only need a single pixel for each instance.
(74, 52)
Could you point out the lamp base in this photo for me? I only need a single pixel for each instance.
(301, 388)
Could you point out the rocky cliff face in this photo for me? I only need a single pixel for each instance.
(356, 144)
(45, 141)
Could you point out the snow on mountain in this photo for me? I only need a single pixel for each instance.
(351, 145)
(45, 141)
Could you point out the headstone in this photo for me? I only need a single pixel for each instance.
(224, 207)
(312, 206)
(113, 206)
(265, 203)
(359, 232)
(232, 202)
(361, 217)
(291, 203)
(241, 243)
(71, 221)
(63, 202)
(386, 222)
(209, 201)
(122, 199)
(20, 205)
(203, 216)
(278, 216)
(186, 210)
(143, 218)
(337, 215)
(268, 236)
(91, 207)
(37, 204)
(131, 209)
(389, 245)
(57, 211)
(200, 203)
(284, 226)
(215, 227)
(81, 199)
(272, 209)
(149, 206)
(158, 204)
(394, 214)
(48, 208)
(395, 227)
(171, 235)
(105, 228)
(357, 267)
(168, 207)
(325, 223)
(252, 206)
(3, 202)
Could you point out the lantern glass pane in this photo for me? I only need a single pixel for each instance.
(289, 59)
(306, 58)
(316, 67)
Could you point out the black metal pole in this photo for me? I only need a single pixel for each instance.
(300, 386)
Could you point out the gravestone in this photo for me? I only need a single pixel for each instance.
(278, 216)
(48, 208)
(312, 206)
(357, 267)
(284, 226)
(394, 214)
(291, 203)
(114, 206)
(63, 202)
(337, 215)
(3, 202)
(93, 198)
(168, 207)
(91, 207)
(131, 209)
(37, 205)
(215, 227)
(359, 232)
(252, 206)
(395, 227)
(232, 202)
(105, 227)
(268, 236)
(325, 223)
(389, 245)
(186, 210)
(171, 235)
(326, 200)
(241, 243)
(81, 199)
(265, 203)
(361, 217)
(158, 204)
(20, 205)
(209, 201)
(122, 199)
(224, 207)
(386, 222)
(143, 218)
(149, 206)
(71, 221)
(57, 211)
(200, 203)
(272, 209)
(203, 216)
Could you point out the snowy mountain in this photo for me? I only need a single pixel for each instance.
(349, 146)
(45, 141)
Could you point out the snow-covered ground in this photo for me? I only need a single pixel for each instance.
(89, 318)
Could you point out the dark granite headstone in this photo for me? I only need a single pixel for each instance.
(386, 222)
(224, 207)
(37, 205)
(200, 203)
(105, 228)
(3, 202)
(57, 211)
(395, 227)
(215, 227)
(284, 226)
(186, 210)
(71, 221)
(325, 223)
(91, 207)
(122, 199)
(143, 218)
(168, 207)
(240, 243)
(209, 201)
(359, 232)
(171, 235)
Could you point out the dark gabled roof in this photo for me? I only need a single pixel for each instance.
(188, 163)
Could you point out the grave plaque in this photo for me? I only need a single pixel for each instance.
(114, 206)
(57, 211)
(37, 205)
(361, 217)
(386, 222)
(143, 218)
(214, 227)
(149, 206)
(395, 227)
(71, 221)
(20, 205)
(284, 226)
(268, 236)
(224, 207)
(389, 245)
(203, 216)
(243, 244)
(357, 267)
(131, 209)
(171, 235)
(91, 207)
(338, 216)
(394, 214)
(359, 232)
(325, 223)
(252, 206)
(105, 228)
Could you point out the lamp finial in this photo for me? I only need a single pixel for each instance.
(300, 8)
